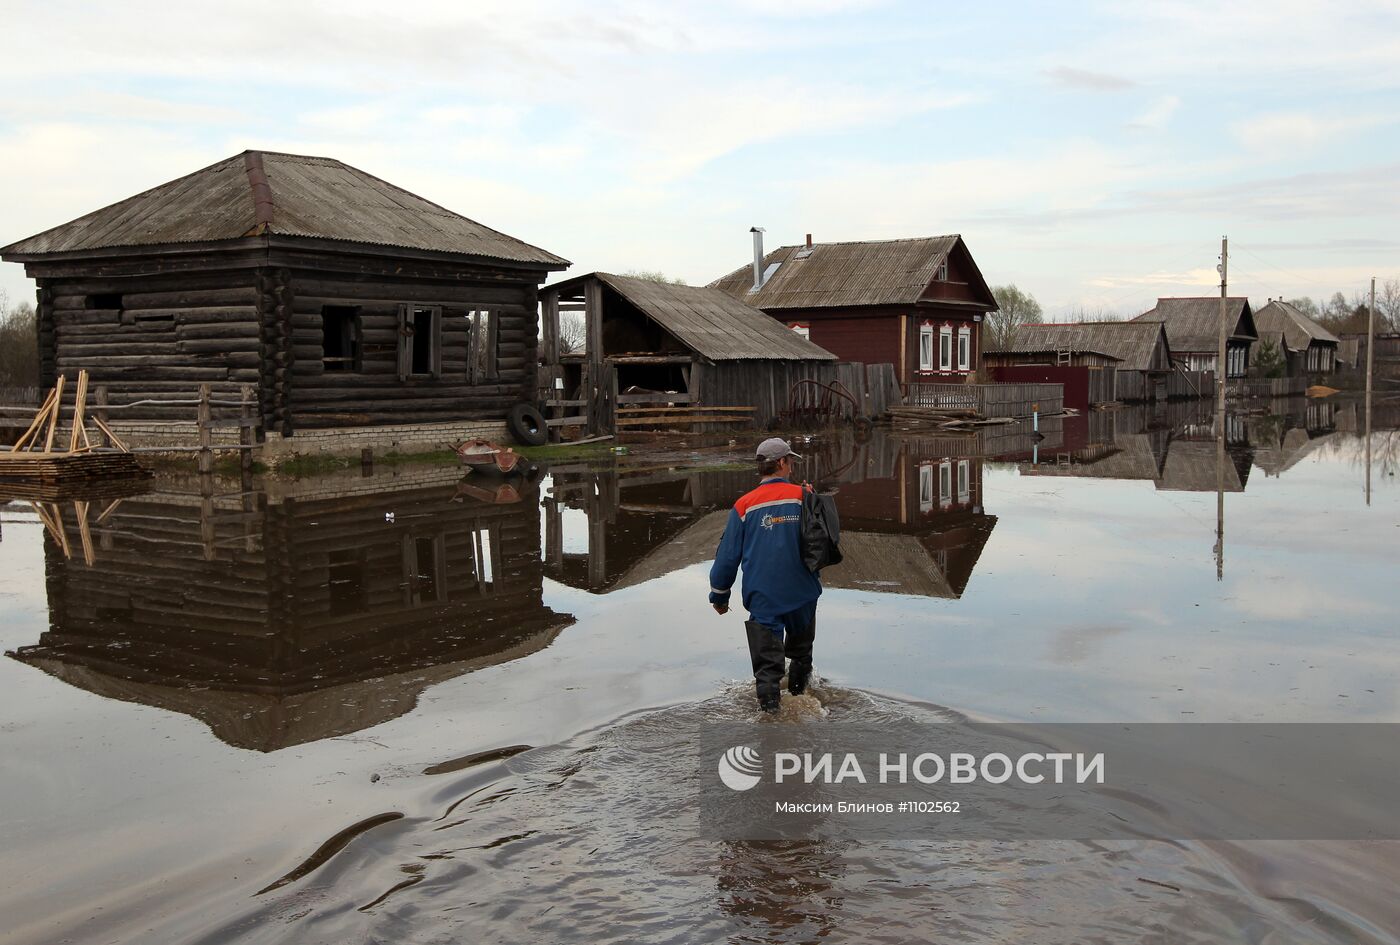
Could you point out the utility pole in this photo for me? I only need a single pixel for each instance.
(1220, 373)
(1370, 362)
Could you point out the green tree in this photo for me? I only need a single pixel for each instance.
(1268, 359)
(1014, 309)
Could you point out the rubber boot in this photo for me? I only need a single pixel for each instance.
(766, 655)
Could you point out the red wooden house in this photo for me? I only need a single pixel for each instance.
(915, 303)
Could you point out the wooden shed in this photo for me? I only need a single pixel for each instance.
(658, 349)
(1138, 352)
(1193, 331)
(344, 301)
(915, 303)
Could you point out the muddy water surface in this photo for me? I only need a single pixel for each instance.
(391, 708)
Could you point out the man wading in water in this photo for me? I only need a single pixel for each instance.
(779, 592)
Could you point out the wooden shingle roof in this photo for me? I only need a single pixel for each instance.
(260, 193)
(1134, 344)
(1193, 324)
(1297, 329)
(709, 322)
(833, 275)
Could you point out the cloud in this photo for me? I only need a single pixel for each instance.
(1296, 130)
(1158, 114)
(1190, 277)
(1088, 81)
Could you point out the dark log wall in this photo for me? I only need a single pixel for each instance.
(152, 336)
(375, 393)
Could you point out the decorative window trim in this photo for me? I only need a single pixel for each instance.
(802, 329)
(945, 348)
(926, 347)
(926, 487)
(964, 349)
(945, 484)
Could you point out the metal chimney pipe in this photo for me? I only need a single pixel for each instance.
(809, 240)
(757, 232)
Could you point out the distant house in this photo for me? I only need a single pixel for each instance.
(690, 344)
(915, 303)
(1193, 331)
(1136, 353)
(1306, 346)
(341, 299)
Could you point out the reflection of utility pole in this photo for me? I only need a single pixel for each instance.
(1370, 360)
(1220, 373)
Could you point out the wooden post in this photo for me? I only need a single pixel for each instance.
(75, 435)
(100, 413)
(245, 429)
(205, 423)
(53, 417)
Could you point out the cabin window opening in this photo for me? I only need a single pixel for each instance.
(945, 485)
(345, 582)
(801, 330)
(420, 341)
(340, 338)
(105, 300)
(925, 347)
(964, 349)
(483, 340)
(964, 477)
(942, 274)
(925, 488)
(945, 349)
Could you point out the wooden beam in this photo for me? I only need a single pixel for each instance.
(53, 417)
(79, 402)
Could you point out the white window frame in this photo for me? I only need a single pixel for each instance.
(964, 349)
(964, 479)
(942, 274)
(925, 347)
(945, 348)
(945, 484)
(801, 330)
(925, 487)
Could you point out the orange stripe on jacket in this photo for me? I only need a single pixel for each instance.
(766, 493)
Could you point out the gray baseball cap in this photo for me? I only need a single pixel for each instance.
(775, 447)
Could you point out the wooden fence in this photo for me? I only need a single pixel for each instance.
(989, 400)
(1267, 387)
(1188, 384)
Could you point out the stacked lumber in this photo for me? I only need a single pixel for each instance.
(81, 461)
(669, 416)
(941, 418)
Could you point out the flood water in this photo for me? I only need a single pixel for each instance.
(401, 707)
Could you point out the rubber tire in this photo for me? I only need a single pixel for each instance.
(527, 425)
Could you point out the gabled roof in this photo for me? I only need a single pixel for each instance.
(1193, 324)
(1132, 343)
(260, 193)
(1298, 330)
(708, 321)
(831, 275)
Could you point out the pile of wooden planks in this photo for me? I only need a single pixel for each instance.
(81, 461)
(942, 418)
(670, 416)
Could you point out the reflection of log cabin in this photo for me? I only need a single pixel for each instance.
(310, 619)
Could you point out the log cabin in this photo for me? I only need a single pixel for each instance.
(1136, 353)
(342, 300)
(915, 303)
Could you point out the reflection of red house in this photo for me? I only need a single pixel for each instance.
(921, 531)
(914, 303)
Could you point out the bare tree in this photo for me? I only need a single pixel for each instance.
(651, 275)
(573, 333)
(19, 344)
(1014, 309)
(1307, 306)
(1388, 303)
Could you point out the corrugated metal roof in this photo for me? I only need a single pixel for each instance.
(309, 196)
(1132, 343)
(1298, 330)
(882, 272)
(711, 323)
(1193, 324)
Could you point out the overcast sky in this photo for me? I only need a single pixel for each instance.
(1093, 154)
